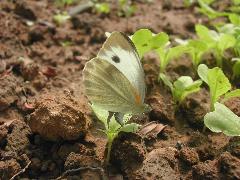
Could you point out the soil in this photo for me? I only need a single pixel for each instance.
(45, 118)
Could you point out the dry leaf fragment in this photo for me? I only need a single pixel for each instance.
(153, 128)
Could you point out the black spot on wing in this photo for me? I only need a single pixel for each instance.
(116, 59)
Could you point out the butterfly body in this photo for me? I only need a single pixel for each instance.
(114, 80)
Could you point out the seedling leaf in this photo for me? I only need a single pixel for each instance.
(223, 120)
(231, 94)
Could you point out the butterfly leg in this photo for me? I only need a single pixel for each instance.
(110, 115)
(117, 115)
(119, 118)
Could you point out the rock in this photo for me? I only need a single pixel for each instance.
(159, 164)
(58, 117)
(9, 168)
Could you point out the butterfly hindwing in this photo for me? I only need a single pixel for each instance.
(107, 87)
(120, 52)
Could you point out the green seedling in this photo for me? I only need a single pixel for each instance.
(218, 84)
(64, 2)
(113, 128)
(145, 41)
(197, 49)
(61, 18)
(126, 8)
(222, 119)
(66, 43)
(166, 54)
(182, 87)
(208, 11)
(102, 8)
(217, 42)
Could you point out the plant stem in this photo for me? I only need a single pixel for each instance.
(109, 147)
(219, 59)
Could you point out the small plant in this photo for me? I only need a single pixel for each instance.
(113, 128)
(222, 119)
(217, 42)
(197, 49)
(208, 11)
(166, 54)
(218, 84)
(182, 87)
(64, 2)
(126, 8)
(145, 41)
(61, 18)
(102, 8)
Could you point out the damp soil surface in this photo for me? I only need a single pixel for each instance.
(47, 128)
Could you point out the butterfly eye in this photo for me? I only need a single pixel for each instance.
(116, 59)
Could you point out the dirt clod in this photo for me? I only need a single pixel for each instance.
(18, 139)
(128, 151)
(159, 164)
(229, 166)
(206, 170)
(189, 156)
(58, 117)
(8, 91)
(9, 168)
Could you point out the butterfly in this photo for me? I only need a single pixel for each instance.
(114, 80)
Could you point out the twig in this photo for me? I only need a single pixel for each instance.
(80, 8)
(80, 169)
(22, 171)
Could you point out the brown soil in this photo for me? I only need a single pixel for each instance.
(45, 118)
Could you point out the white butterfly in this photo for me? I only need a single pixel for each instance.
(114, 80)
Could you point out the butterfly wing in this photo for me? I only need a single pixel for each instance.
(108, 88)
(119, 51)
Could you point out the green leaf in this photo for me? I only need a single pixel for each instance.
(226, 41)
(203, 72)
(61, 18)
(102, 8)
(132, 127)
(166, 55)
(234, 19)
(197, 49)
(159, 40)
(146, 41)
(223, 120)
(141, 37)
(231, 94)
(184, 86)
(166, 80)
(208, 11)
(204, 33)
(218, 83)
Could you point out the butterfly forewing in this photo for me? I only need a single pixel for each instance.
(119, 51)
(107, 87)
